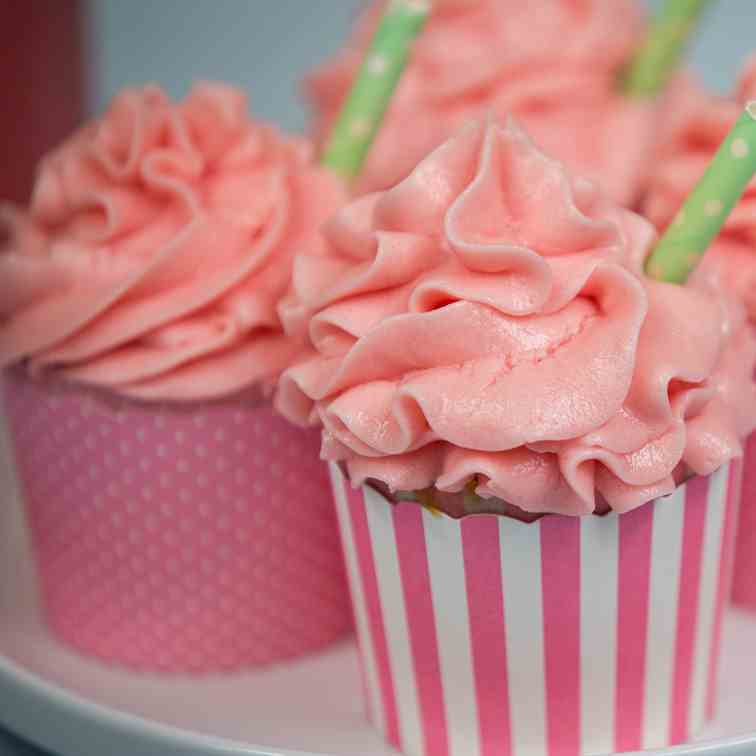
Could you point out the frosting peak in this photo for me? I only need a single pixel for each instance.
(487, 320)
(157, 244)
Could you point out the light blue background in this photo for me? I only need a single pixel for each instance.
(262, 45)
(266, 45)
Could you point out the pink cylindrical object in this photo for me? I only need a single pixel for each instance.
(487, 635)
(744, 579)
(177, 539)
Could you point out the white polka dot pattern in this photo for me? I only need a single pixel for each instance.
(153, 554)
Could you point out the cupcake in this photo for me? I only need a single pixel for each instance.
(138, 329)
(700, 125)
(532, 449)
(554, 64)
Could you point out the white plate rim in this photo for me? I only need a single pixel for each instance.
(42, 700)
(37, 699)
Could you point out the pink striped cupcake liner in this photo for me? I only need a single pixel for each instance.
(181, 540)
(487, 636)
(744, 580)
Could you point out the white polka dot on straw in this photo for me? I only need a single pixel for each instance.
(359, 127)
(739, 148)
(377, 64)
(713, 207)
(414, 6)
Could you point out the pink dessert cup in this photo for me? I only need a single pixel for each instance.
(177, 539)
(744, 579)
(564, 636)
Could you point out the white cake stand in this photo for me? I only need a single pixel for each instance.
(75, 707)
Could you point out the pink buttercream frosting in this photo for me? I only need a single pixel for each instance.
(554, 64)
(701, 122)
(487, 320)
(157, 245)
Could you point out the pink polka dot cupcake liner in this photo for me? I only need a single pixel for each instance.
(177, 539)
(744, 580)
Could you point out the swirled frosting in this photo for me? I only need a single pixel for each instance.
(486, 323)
(701, 122)
(157, 245)
(552, 63)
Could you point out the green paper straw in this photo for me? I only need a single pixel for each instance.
(705, 210)
(657, 58)
(363, 111)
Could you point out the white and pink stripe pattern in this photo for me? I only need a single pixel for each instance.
(488, 637)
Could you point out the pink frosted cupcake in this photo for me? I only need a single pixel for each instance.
(554, 64)
(701, 123)
(484, 343)
(138, 323)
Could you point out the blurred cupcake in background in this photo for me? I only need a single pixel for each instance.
(555, 65)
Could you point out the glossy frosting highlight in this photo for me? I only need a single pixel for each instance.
(487, 320)
(157, 245)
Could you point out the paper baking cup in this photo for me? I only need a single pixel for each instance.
(177, 540)
(744, 581)
(487, 636)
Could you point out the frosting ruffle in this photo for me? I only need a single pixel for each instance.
(487, 320)
(157, 245)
